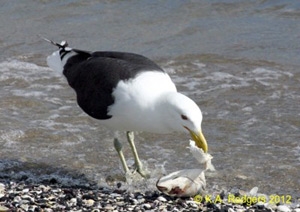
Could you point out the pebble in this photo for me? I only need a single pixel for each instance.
(162, 199)
(89, 202)
(134, 201)
(26, 190)
(17, 199)
(39, 197)
(2, 187)
(27, 197)
(141, 200)
(109, 207)
(147, 206)
(24, 207)
(230, 210)
(270, 206)
(3, 208)
(283, 208)
(72, 202)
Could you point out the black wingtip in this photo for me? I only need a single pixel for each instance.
(62, 45)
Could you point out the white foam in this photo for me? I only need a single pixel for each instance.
(271, 73)
(267, 77)
(250, 122)
(247, 109)
(222, 113)
(169, 70)
(296, 151)
(25, 93)
(20, 70)
(199, 65)
(11, 137)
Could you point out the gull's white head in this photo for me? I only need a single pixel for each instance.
(183, 114)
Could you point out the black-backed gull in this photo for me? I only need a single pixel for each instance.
(127, 92)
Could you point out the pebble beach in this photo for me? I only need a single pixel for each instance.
(51, 196)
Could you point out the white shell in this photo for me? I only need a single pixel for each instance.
(187, 182)
(183, 183)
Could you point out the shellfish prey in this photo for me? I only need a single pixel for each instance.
(187, 182)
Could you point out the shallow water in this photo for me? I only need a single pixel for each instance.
(239, 60)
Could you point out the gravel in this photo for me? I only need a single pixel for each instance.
(35, 197)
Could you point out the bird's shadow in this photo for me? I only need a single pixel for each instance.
(40, 173)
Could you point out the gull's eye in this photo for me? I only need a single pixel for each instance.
(184, 117)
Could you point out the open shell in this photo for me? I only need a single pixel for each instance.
(187, 182)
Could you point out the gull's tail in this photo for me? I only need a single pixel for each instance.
(58, 59)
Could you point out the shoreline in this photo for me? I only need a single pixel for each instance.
(51, 196)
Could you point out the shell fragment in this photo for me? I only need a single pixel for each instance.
(187, 182)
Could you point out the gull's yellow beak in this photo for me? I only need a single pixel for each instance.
(199, 140)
